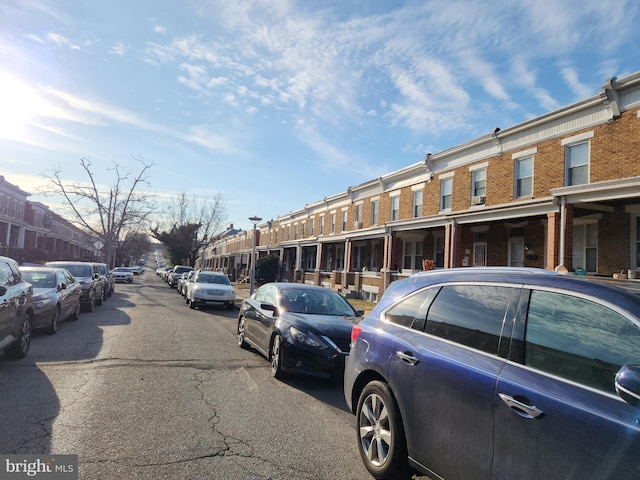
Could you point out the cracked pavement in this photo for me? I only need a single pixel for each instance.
(145, 388)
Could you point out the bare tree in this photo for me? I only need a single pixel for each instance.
(191, 225)
(106, 212)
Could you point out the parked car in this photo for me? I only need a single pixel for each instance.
(173, 275)
(122, 275)
(137, 269)
(89, 277)
(108, 282)
(16, 310)
(209, 288)
(181, 287)
(56, 296)
(300, 328)
(496, 373)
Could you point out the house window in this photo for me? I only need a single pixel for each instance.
(412, 256)
(333, 223)
(322, 225)
(478, 186)
(312, 224)
(417, 203)
(585, 247)
(446, 190)
(357, 260)
(523, 177)
(302, 230)
(295, 232)
(358, 213)
(344, 221)
(375, 207)
(577, 164)
(395, 207)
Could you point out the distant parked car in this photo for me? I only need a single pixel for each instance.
(16, 310)
(498, 373)
(174, 275)
(210, 288)
(122, 275)
(300, 328)
(107, 279)
(56, 295)
(88, 275)
(182, 282)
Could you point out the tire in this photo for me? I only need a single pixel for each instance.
(277, 356)
(381, 440)
(241, 335)
(20, 348)
(98, 301)
(92, 303)
(55, 322)
(192, 304)
(76, 313)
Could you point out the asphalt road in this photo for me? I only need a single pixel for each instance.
(145, 388)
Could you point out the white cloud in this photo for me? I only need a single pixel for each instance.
(118, 48)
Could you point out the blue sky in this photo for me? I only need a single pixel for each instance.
(276, 104)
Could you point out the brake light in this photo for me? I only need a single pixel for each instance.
(356, 330)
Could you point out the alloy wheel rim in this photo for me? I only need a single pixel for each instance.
(241, 332)
(374, 431)
(275, 355)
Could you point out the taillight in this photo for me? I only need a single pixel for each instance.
(355, 332)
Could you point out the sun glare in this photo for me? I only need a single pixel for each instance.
(19, 103)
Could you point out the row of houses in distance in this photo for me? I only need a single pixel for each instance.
(30, 232)
(560, 191)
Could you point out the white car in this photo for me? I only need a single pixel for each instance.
(210, 288)
(123, 274)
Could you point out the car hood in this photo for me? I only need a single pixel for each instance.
(329, 325)
(44, 292)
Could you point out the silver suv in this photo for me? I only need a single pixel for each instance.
(16, 310)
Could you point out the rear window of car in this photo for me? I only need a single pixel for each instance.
(471, 315)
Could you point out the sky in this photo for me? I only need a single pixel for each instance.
(277, 104)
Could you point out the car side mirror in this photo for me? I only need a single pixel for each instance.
(62, 286)
(269, 307)
(360, 312)
(628, 384)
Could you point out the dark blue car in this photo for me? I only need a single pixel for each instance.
(496, 373)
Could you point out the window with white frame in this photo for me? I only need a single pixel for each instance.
(523, 174)
(322, 225)
(417, 203)
(576, 164)
(395, 207)
(344, 221)
(478, 186)
(312, 224)
(412, 259)
(375, 208)
(357, 257)
(359, 213)
(333, 223)
(446, 191)
(585, 246)
(302, 230)
(295, 231)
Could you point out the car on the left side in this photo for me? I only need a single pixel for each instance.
(89, 277)
(16, 310)
(56, 296)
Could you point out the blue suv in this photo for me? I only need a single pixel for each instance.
(498, 373)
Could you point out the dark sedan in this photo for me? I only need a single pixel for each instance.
(299, 328)
(56, 295)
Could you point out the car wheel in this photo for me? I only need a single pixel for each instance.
(277, 355)
(76, 313)
(55, 321)
(92, 303)
(192, 304)
(381, 440)
(20, 348)
(98, 300)
(241, 342)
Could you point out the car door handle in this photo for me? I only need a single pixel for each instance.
(522, 409)
(407, 357)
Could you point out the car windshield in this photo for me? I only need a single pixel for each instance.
(121, 269)
(315, 303)
(40, 279)
(79, 270)
(217, 279)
